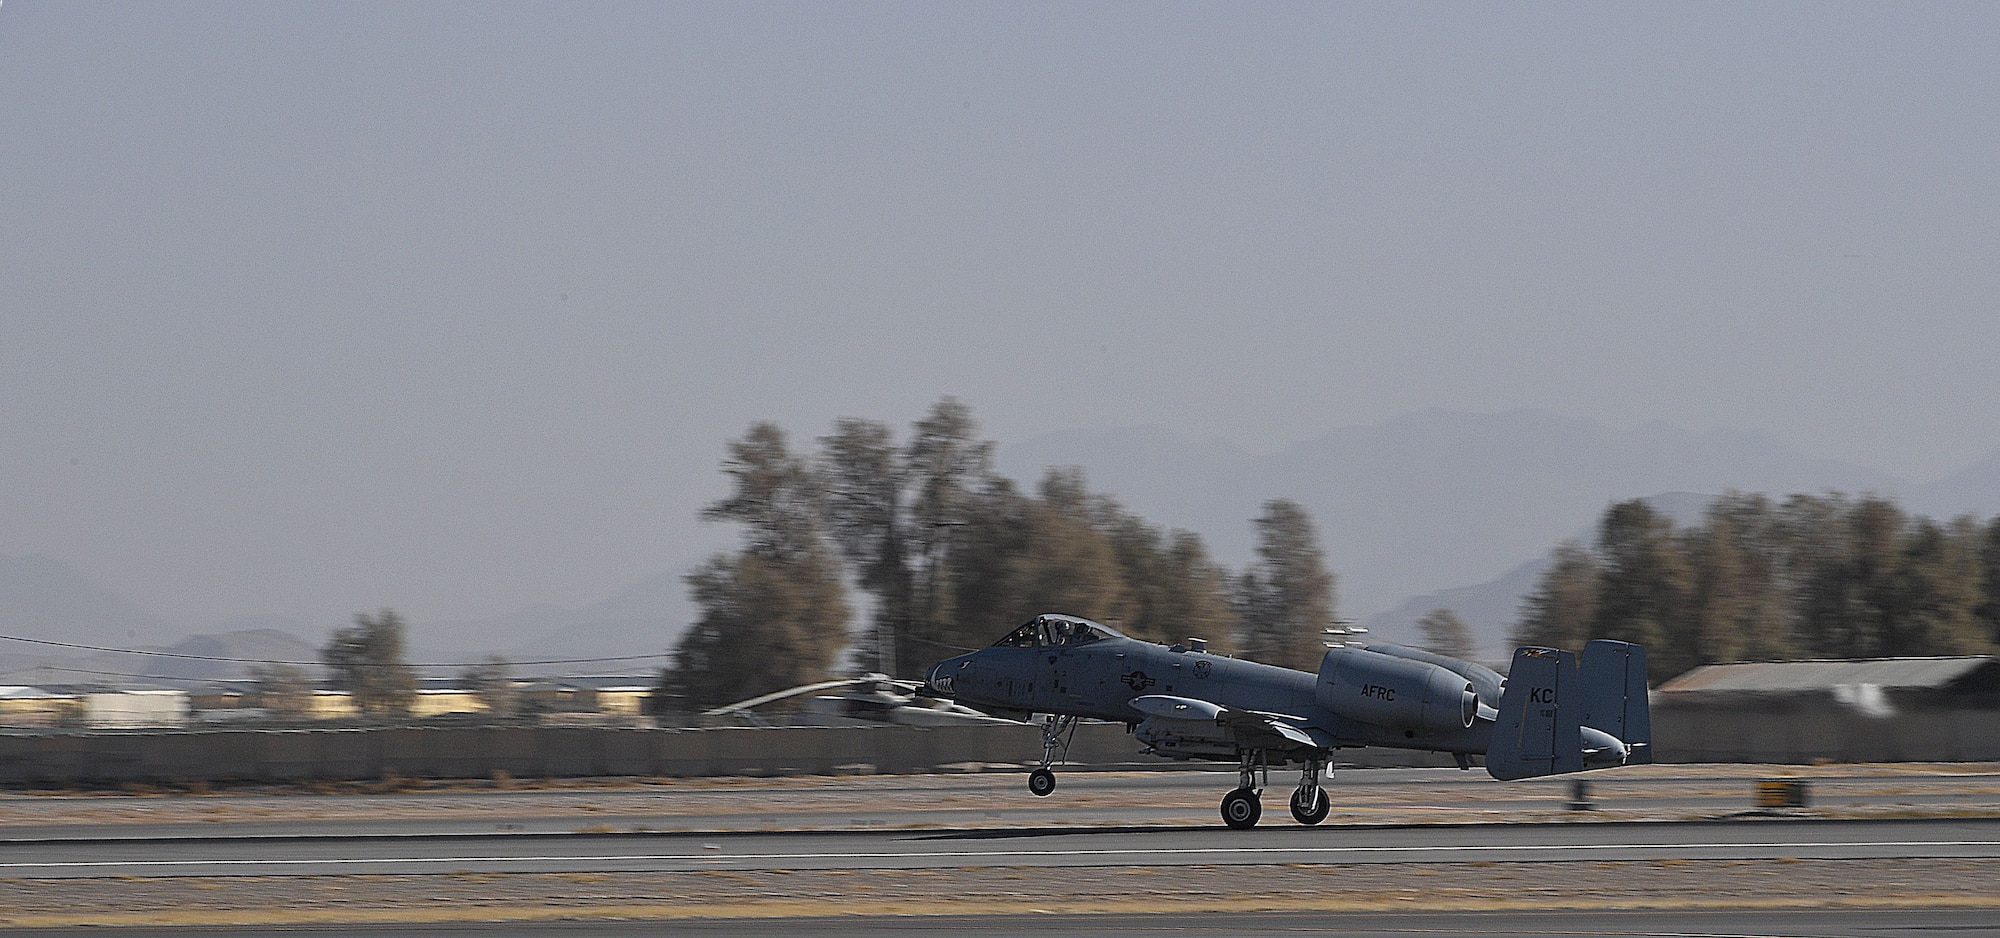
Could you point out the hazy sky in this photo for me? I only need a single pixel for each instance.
(317, 307)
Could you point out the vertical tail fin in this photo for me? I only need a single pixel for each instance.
(1536, 734)
(1613, 676)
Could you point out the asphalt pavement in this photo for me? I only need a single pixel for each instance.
(1109, 821)
(997, 800)
(1031, 847)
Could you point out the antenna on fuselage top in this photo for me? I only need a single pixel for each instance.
(1343, 628)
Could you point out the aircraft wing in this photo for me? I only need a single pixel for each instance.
(1257, 730)
(1251, 729)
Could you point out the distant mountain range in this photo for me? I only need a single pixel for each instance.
(1411, 510)
(48, 600)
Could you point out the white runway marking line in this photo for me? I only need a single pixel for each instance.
(988, 854)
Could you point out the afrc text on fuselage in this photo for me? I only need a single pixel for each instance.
(1555, 712)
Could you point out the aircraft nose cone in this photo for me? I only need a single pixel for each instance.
(941, 677)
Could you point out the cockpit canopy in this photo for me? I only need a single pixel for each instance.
(1056, 632)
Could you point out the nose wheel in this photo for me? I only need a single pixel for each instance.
(1057, 731)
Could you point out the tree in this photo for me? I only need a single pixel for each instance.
(1739, 608)
(946, 469)
(492, 681)
(864, 509)
(775, 496)
(1175, 590)
(1989, 564)
(1072, 551)
(282, 689)
(1064, 563)
(1939, 590)
(366, 661)
(900, 516)
(1446, 634)
(1562, 611)
(765, 626)
(1819, 575)
(1645, 588)
(774, 613)
(1189, 599)
(1875, 529)
(1285, 601)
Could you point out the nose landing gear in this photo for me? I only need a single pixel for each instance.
(1056, 733)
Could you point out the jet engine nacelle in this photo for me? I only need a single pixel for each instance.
(1398, 692)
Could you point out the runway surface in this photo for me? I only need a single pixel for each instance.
(1033, 847)
(1908, 849)
(995, 800)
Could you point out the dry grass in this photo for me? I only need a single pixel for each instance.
(464, 897)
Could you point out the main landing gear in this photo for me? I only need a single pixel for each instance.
(1243, 807)
(1057, 731)
(1309, 801)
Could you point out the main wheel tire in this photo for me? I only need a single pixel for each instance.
(1041, 782)
(1241, 809)
(1314, 813)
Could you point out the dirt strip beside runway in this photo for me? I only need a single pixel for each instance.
(467, 897)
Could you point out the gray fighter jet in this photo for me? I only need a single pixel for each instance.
(1555, 712)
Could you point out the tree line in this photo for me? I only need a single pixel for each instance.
(367, 660)
(950, 555)
(1812, 576)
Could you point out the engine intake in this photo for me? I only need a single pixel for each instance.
(1398, 692)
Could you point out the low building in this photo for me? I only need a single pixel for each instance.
(1861, 710)
(1878, 685)
(616, 696)
(590, 699)
(135, 709)
(332, 705)
(25, 706)
(433, 701)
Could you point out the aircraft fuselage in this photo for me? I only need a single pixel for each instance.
(1099, 679)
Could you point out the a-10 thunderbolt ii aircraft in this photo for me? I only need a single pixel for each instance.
(1555, 712)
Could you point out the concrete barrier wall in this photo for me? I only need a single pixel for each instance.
(527, 752)
(1801, 732)
(1765, 733)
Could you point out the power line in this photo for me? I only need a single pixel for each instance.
(462, 664)
(936, 644)
(29, 669)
